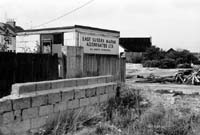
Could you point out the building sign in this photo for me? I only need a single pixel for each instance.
(99, 44)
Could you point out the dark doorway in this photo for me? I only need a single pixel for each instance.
(58, 38)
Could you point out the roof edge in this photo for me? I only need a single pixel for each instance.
(71, 27)
(95, 28)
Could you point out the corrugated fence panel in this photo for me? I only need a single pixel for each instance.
(100, 64)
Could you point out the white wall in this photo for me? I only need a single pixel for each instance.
(27, 43)
(69, 39)
(112, 47)
(121, 49)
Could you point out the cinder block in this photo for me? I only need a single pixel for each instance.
(103, 98)
(116, 78)
(17, 115)
(68, 95)
(23, 133)
(38, 122)
(39, 100)
(79, 93)
(34, 131)
(21, 126)
(62, 106)
(115, 87)
(16, 128)
(54, 98)
(1, 120)
(93, 100)
(73, 104)
(92, 80)
(71, 51)
(100, 90)
(84, 102)
(40, 86)
(52, 117)
(111, 95)
(22, 88)
(30, 113)
(5, 130)
(21, 103)
(109, 79)
(90, 92)
(101, 79)
(5, 106)
(57, 84)
(70, 83)
(82, 81)
(45, 110)
(109, 89)
(8, 117)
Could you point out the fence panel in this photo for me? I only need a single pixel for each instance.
(123, 69)
(7, 69)
(79, 64)
(95, 65)
(25, 67)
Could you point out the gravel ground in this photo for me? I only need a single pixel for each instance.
(137, 69)
(189, 99)
(132, 70)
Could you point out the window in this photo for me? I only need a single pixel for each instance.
(58, 38)
(8, 40)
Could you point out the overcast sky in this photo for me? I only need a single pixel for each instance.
(170, 23)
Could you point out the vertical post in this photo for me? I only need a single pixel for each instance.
(76, 38)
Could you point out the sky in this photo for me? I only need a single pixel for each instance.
(170, 23)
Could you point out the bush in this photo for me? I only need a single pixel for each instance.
(136, 59)
(151, 63)
(167, 63)
(185, 65)
(196, 62)
(154, 53)
(169, 59)
(123, 104)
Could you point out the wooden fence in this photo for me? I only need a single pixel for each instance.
(24, 67)
(79, 64)
(94, 65)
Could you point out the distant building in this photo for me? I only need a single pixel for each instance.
(51, 40)
(134, 47)
(8, 36)
(171, 50)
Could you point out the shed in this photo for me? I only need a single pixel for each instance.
(135, 44)
(50, 40)
(134, 47)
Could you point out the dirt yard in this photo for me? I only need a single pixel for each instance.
(137, 69)
(133, 70)
(174, 95)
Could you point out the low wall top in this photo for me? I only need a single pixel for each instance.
(35, 87)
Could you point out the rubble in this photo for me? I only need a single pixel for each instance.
(189, 76)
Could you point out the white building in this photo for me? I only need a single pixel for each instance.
(51, 40)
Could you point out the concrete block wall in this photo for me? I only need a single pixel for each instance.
(31, 105)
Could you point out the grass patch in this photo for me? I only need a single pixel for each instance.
(128, 114)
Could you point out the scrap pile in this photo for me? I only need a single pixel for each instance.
(191, 76)
(188, 77)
